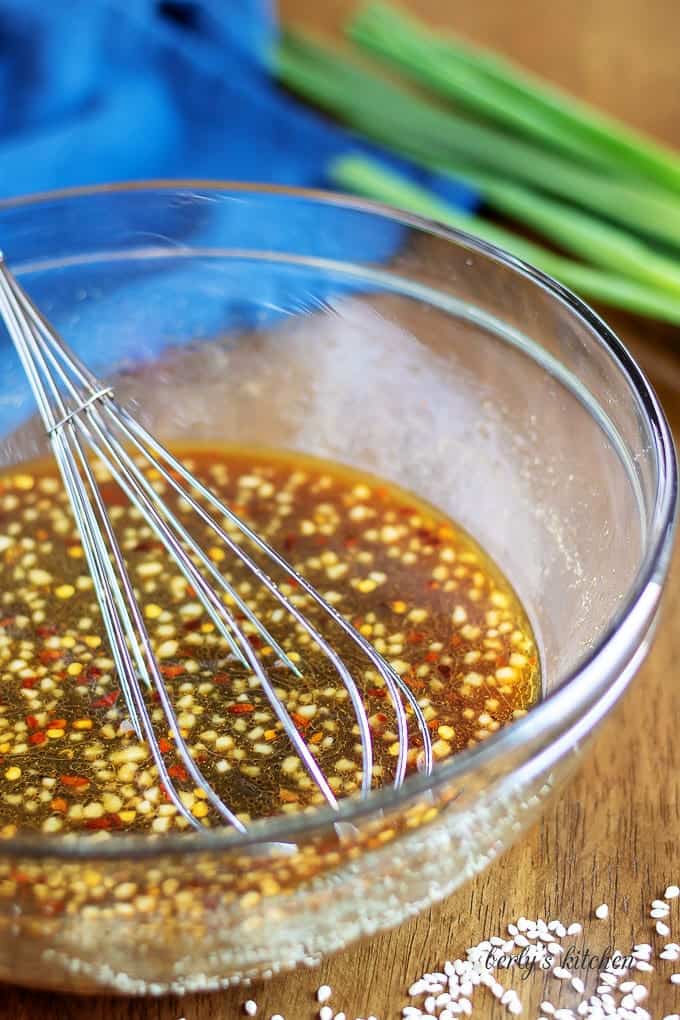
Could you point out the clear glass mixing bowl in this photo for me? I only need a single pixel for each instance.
(342, 329)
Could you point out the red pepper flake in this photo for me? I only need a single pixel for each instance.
(74, 782)
(164, 745)
(177, 772)
(57, 724)
(7, 621)
(107, 700)
(59, 804)
(170, 672)
(37, 738)
(32, 722)
(147, 545)
(376, 692)
(105, 822)
(299, 720)
(221, 678)
(29, 682)
(414, 637)
(45, 630)
(48, 655)
(241, 708)
(193, 624)
(92, 673)
(432, 656)
(456, 640)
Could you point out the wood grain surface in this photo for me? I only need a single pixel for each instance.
(614, 835)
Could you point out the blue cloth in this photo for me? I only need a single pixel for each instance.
(109, 90)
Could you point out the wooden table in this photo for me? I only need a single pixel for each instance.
(614, 836)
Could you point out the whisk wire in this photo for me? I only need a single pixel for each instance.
(94, 418)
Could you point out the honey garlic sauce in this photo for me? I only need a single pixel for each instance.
(413, 583)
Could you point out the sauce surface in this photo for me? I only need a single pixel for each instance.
(413, 583)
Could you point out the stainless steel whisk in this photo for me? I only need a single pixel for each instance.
(79, 413)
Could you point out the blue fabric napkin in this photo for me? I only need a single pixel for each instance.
(110, 90)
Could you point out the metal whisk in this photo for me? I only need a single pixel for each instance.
(80, 413)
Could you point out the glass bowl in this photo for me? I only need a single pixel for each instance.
(339, 328)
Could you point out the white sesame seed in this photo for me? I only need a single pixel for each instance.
(250, 1007)
(323, 993)
(577, 985)
(639, 993)
(602, 912)
(660, 905)
(574, 929)
(675, 979)
(672, 892)
(662, 929)
(562, 974)
(643, 966)
(547, 1007)
(672, 1016)
(658, 912)
(326, 1013)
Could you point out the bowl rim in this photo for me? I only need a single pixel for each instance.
(587, 683)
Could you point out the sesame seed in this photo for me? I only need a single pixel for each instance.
(602, 912)
(323, 993)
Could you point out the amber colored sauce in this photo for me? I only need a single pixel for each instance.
(414, 583)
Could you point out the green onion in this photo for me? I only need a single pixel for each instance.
(487, 84)
(418, 129)
(578, 232)
(369, 178)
